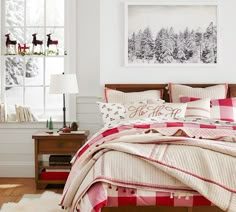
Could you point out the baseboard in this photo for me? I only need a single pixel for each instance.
(15, 169)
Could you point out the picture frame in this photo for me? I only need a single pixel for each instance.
(171, 33)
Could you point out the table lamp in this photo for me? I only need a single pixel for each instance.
(63, 84)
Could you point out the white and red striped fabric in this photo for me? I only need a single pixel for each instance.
(185, 99)
(172, 157)
(198, 109)
(213, 92)
(115, 96)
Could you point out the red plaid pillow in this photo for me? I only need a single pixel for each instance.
(185, 99)
(224, 109)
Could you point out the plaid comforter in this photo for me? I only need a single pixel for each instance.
(155, 159)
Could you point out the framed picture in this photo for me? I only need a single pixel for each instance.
(171, 33)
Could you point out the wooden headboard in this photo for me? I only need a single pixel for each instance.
(143, 87)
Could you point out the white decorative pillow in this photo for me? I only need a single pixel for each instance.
(114, 96)
(212, 92)
(198, 109)
(164, 110)
(112, 113)
(155, 101)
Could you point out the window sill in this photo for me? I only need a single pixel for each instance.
(28, 125)
(32, 55)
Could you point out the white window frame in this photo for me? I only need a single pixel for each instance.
(70, 64)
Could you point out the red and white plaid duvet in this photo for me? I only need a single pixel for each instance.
(155, 163)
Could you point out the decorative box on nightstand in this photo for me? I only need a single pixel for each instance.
(55, 144)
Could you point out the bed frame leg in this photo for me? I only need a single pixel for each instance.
(190, 210)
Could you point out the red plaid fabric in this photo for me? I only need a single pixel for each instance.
(224, 109)
(185, 99)
(128, 196)
(103, 195)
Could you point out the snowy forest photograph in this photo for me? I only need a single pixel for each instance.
(171, 34)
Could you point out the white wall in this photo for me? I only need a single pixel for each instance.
(88, 64)
(112, 68)
(17, 148)
(88, 47)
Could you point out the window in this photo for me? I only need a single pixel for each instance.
(25, 75)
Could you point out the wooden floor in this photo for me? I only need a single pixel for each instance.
(23, 186)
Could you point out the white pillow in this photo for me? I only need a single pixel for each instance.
(155, 101)
(114, 96)
(212, 92)
(164, 110)
(112, 113)
(198, 109)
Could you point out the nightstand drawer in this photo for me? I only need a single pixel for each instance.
(59, 146)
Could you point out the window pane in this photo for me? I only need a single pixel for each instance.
(14, 12)
(34, 99)
(54, 65)
(57, 34)
(55, 12)
(26, 79)
(15, 34)
(54, 104)
(14, 71)
(34, 12)
(40, 36)
(14, 96)
(34, 71)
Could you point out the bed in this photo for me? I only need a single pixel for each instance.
(156, 164)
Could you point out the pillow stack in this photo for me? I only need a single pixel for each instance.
(220, 107)
(186, 102)
(137, 105)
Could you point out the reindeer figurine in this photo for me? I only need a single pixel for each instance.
(36, 42)
(51, 42)
(10, 42)
(23, 48)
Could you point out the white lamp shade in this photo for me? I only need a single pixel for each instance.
(63, 83)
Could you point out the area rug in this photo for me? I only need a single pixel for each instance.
(46, 202)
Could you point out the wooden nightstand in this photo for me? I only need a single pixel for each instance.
(62, 144)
